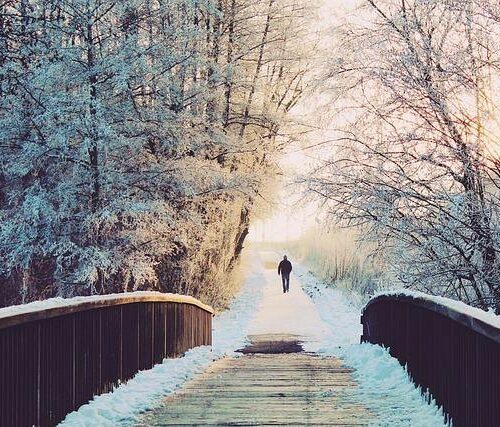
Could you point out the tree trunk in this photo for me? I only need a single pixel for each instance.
(258, 67)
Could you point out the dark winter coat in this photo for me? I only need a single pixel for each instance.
(285, 267)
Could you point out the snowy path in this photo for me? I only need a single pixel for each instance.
(319, 316)
(292, 313)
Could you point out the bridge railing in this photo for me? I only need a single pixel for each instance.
(53, 359)
(450, 349)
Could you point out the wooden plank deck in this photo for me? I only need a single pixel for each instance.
(265, 389)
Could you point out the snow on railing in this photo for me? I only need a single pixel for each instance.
(56, 355)
(54, 307)
(484, 322)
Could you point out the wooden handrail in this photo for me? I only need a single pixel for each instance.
(54, 307)
(471, 317)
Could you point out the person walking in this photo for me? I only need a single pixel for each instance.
(285, 268)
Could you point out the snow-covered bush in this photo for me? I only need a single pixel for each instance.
(337, 258)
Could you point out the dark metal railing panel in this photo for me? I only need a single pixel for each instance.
(146, 321)
(56, 385)
(111, 348)
(50, 367)
(468, 319)
(160, 332)
(457, 359)
(20, 361)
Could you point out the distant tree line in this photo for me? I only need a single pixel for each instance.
(136, 138)
(416, 161)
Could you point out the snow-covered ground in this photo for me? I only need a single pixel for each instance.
(230, 329)
(383, 384)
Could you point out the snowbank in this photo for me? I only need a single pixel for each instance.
(383, 384)
(386, 389)
(121, 406)
(342, 317)
(145, 390)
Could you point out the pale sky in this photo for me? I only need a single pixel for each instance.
(292, 218)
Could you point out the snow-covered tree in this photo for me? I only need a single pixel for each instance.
(128, 130)
(416, 151)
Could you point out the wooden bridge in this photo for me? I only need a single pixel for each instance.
(54, 359)
(266, 388)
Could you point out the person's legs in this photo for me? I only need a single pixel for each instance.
(287, 279)
(283, 279)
